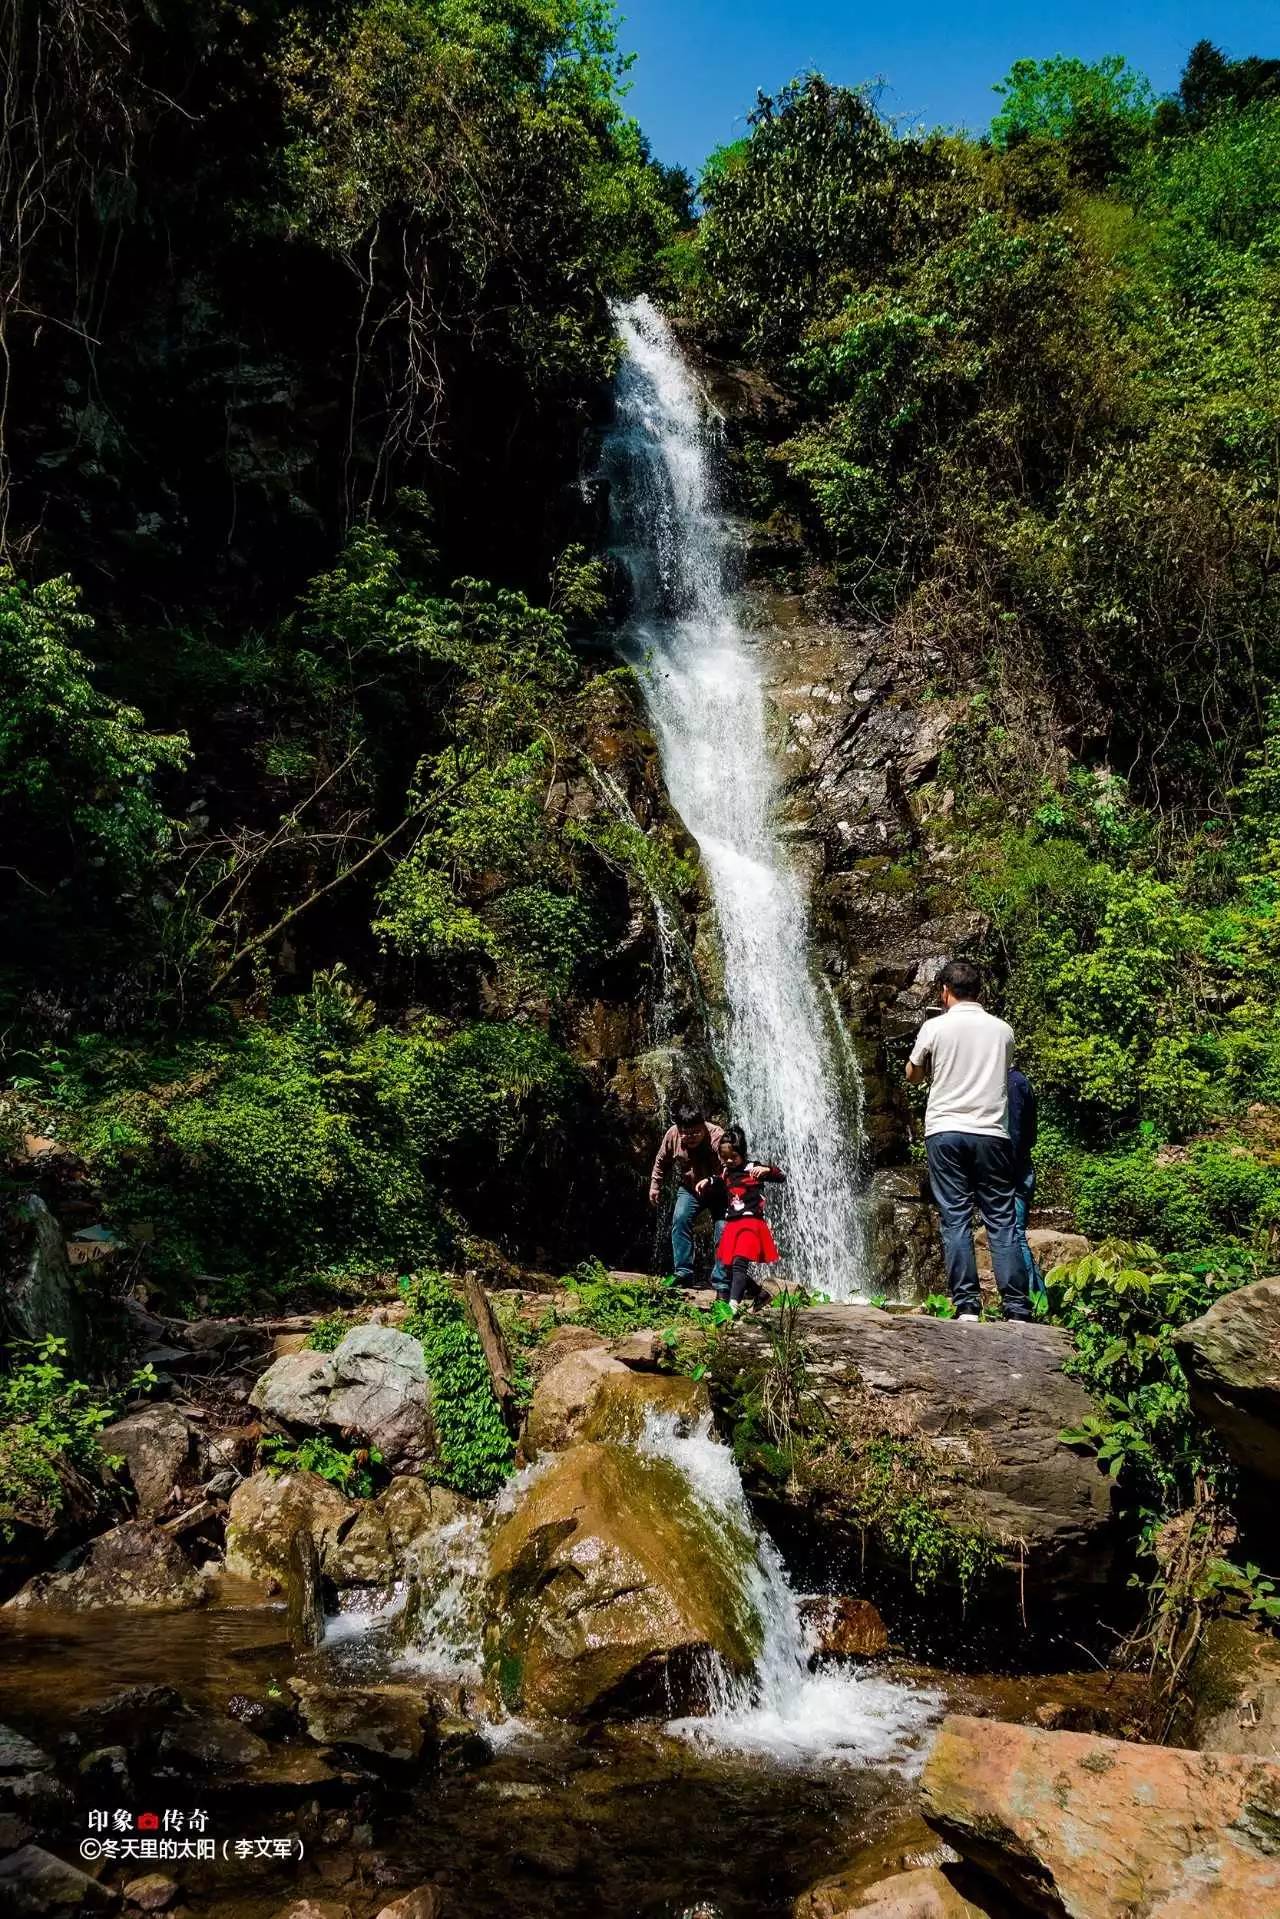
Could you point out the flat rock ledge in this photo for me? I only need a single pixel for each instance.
(990, 1399)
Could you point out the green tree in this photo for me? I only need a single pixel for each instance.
(78, 769)
(1065, 97)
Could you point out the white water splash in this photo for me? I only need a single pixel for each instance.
(785, 1712)
(792, 1083)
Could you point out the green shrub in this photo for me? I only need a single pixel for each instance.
(351, 1469)
(1121, 1306)
(328, 1333)
(1210, 1194)
(476, 1449)
(617, 1307)
(50, 1459)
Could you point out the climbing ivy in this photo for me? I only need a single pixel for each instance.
(476, 1451)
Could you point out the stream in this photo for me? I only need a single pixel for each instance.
(729, 1812)
(792, 1080)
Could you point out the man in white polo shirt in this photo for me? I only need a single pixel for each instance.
(965, 1053)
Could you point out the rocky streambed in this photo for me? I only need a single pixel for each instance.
(606, 1690)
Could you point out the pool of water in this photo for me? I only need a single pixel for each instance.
(604, 1821)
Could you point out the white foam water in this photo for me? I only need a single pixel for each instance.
(787, 1712)
(793, 1083)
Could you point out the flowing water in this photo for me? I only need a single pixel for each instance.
(792, 1083)
(792, 1711)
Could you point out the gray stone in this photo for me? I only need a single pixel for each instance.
(373, 1388)
(1231, 1356)
(36, 1802)
(35, 1884)
(390, 1721)
(155, 1444)
(987, 1405)
(18, 1754)
(135, 1565)
(41, 1298)
(294, 1392)
(643, 1351)
(383, 1394)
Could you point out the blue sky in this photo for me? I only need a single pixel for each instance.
(701, 61)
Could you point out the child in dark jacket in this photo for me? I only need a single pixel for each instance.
(746, 1239)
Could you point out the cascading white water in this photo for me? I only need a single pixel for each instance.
(784, 1711)
(788, 1080)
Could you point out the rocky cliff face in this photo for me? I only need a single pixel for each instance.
(643, 1028)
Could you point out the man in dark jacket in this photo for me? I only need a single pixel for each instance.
(688, 1151)
(1023, 1120)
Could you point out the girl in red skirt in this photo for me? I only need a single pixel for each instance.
(746, 1239)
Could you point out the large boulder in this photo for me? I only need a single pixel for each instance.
(377, 1548)
(155, 1444)
(35, 1884)
(265, 1513)
(610, 1589)
(564, 1396)
(382, 1393)
(623, 1402)
(983, 1406)
(1074, 1824)
(135, 1565)
(293, 1393)
(1231, 1356)
(389, 1720)
(373, 1388)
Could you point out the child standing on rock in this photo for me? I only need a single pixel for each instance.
(746, 1240)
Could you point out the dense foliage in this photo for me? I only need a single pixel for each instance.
(306, 312)
(476, 1447)
(1029, 408)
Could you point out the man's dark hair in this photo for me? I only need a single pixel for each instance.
(963, 978)
(686, 1116)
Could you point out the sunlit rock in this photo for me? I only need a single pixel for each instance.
(610, 1590)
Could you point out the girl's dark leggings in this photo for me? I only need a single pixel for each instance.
(740, 1279)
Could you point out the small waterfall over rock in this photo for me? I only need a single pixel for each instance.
(784, 1711)
(792, 1084)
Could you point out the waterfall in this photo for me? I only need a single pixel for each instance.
(785, 1711)
(792, 1083)
(791, 1710)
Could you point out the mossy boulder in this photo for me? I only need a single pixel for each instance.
(265, 1513)
(1232, 1701)
(612, 1590)
(623, 1402)
(1231, 1356)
